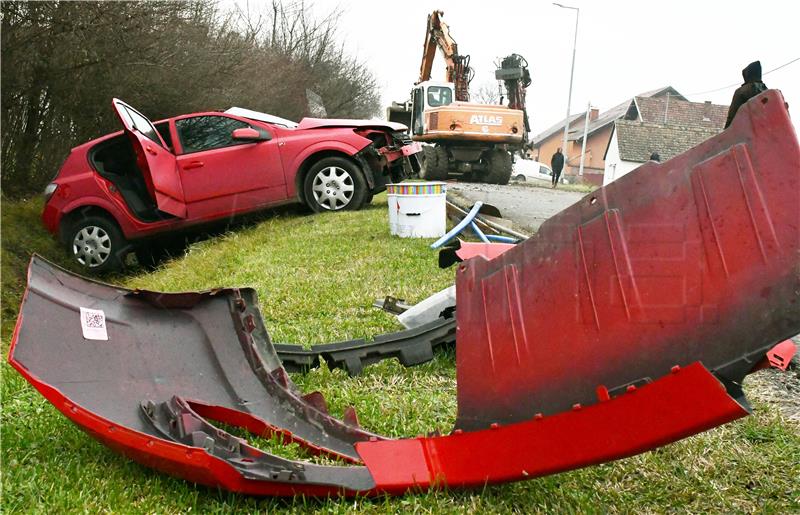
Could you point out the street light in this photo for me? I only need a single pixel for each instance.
(571, 75)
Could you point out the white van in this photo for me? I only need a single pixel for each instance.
(527, 170)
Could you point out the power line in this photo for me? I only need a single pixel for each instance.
(736, 83)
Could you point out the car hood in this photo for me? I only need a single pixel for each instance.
(317, 123)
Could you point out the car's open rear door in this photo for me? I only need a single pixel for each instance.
(157, 164)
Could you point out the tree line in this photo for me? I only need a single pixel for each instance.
(63, 62)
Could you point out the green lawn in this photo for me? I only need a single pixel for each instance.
(317, 277)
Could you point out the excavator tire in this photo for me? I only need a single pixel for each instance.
(435, 163)
(500, 167)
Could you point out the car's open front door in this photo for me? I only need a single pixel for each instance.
(157, 164)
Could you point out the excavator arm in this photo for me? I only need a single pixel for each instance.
(458, 69)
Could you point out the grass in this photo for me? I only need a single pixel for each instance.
(316, 277)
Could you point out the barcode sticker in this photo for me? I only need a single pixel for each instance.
(93, 323)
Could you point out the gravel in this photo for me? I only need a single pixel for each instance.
(527, 206)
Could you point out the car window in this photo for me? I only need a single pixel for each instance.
(207, 132)
(546, 170)
(439, 96)
(143, 125)
(163, 130)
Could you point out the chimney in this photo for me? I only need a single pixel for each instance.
(707, 111)
(594, 113)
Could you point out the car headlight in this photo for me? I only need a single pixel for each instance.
(49, 190)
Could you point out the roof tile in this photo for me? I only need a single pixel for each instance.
(637, 140)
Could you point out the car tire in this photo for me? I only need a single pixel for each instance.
(520, 178)
(500, 167)
(435, 163)
(335, 184)
(96, 244)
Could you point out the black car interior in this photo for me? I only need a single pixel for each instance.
(115, 160)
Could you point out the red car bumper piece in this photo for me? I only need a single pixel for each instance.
(489, 251)
(694, 259)
(780, 355)
(626, 323)
(683, 403)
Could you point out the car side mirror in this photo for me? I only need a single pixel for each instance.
(250, 134)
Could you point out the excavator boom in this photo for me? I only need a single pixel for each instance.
(458, 69)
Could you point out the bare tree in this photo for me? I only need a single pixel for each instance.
(487, 93)
(62, 62)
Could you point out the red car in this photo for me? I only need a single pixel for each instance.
(115, 194)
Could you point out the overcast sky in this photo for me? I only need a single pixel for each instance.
(624, 47)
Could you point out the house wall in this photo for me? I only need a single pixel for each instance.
(544, 151)
(614, 166)
(594, 164)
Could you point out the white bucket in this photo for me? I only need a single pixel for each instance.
(417, 209)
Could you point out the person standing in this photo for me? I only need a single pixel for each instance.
(752, 86)
(557, 164)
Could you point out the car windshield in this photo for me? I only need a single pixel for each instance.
(439, 96)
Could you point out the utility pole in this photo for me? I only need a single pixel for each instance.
(571, 75)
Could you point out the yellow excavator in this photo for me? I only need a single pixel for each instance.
(465, 139)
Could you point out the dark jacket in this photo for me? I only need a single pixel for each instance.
(557, 162)
(752, 86)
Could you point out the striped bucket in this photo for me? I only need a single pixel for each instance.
(417, 209)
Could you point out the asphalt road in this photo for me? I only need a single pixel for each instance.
(527, 206)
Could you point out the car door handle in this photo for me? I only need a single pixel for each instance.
(149, 149)
(193, 164)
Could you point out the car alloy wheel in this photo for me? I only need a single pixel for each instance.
(333, 188)
(91, 246)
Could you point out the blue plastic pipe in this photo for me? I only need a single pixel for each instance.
(501, 239)
(478, 232)
(459, 227)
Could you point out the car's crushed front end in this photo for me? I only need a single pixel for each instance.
(389, 155)
(390, 158)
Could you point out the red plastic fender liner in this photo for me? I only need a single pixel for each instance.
(683, 403)
(694, 259)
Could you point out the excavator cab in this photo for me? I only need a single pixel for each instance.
(438, 96)
(427, 95)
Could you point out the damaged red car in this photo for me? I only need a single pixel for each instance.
(115, 194)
